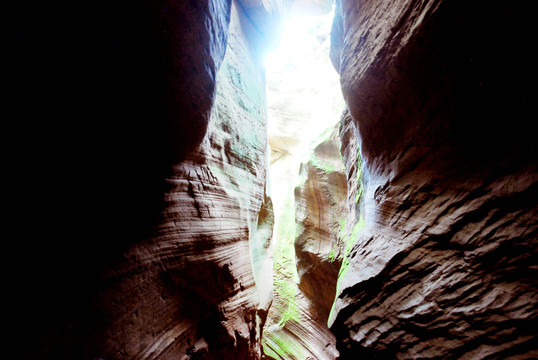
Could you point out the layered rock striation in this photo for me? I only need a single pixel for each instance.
(190, 290)
(142, 220)
(153, 239)
(308, 255)
(320, 214)
(443, 264)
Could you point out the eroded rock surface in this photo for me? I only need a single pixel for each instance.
(140, 221)
(444, 260)
(190, 291)
(320, 204)
(156, 242)
(308, 256)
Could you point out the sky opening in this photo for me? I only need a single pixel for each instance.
(304, 99)
(303, 88)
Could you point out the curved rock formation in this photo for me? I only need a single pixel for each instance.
(320, 215)
(156, 230)
(140, 212)
(320, 203)
(308, 255)
(444, 262)
(189, 291)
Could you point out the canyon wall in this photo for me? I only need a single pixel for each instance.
(194, 289)
(152, 229)
(443, 259)
(307, 255)
(139, 223)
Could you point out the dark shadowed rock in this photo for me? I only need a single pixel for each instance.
(152, 224)
(445, 263)
(139, 222)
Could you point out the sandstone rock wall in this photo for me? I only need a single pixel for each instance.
(190, 291)
(308, 254)
(138, 220)
(320, 214)
(153, 238)
(443, 264)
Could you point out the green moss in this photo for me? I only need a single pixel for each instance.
(280, 346)
(268, 350)
(332, 255)
(285, 270)
(359, 225)
(277, 344)
(328, 168)
(342, 222)
(350, 241)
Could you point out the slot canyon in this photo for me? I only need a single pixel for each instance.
(173, 195)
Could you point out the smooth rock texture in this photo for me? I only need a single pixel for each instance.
(137, 180)
(139, 219)
(443, 264)
(320, 203)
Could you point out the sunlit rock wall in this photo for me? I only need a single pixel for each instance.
(320, 211)
(308, 193)
(320, 215)
(155, 241)
(443, 261)
(308, 255)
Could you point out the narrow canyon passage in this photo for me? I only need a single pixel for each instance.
(308, 188)
(174, 196)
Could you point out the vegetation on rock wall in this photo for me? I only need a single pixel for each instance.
(285, 279)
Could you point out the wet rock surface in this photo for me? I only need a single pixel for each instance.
(444, 265)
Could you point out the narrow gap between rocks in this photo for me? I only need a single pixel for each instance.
(308, 188)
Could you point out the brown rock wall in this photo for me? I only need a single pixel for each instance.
(297, 323)
(190, 288)
(444, 266)
(320, 212)
(320, 204)
(154, 224)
